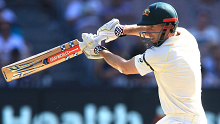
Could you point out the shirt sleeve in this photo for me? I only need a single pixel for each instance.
(141, 66)
(153, 60)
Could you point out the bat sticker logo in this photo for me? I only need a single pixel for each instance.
(71, 44)
(75, 54)
(17, 75)
(62, 47)
(24, 73)
(64, 54)
(5, 75)
(23, 66)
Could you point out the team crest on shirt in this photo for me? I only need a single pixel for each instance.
(146, 12)
(140, 60)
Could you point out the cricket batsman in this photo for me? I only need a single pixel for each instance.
(171, 53)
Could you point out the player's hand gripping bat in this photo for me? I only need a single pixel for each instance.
(44, 60)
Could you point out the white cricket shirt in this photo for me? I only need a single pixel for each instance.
(177, 69)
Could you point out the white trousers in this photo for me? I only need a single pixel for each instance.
(183, 119)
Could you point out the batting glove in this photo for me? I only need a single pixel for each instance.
(99, 49)
(90, 46)
(89, 40)
(90, 54)
(112, 30)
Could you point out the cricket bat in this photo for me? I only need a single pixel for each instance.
(44, 60)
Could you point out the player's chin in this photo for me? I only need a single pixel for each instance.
(153, 40)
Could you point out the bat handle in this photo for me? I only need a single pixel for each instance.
(98, 39)
(82, 45)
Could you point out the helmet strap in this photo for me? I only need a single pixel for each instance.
(170, 26)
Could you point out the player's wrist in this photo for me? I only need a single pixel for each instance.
(99, 49)
(119, 31)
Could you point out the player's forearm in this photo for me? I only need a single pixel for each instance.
(133, 29)
(115, 61)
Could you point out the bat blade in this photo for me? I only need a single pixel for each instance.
(42, 61)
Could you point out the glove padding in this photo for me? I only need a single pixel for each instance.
(108, 30)
(90, 45)
(89, 40)
(90, 54)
